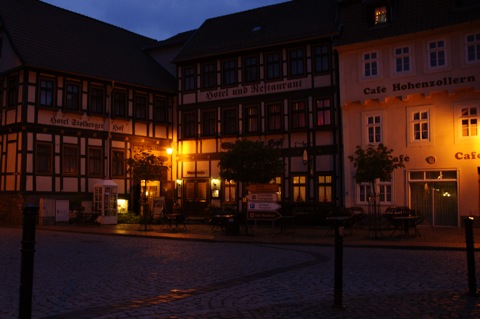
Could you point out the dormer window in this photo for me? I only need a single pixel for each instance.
(380, 12)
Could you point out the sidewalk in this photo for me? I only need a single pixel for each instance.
(427, 238)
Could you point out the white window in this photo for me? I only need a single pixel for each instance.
(472, 50)
(374, 129)
(437, 54)
(370, 64)
(402, 60)
(365, 193)
(469, 120)
(420, 125)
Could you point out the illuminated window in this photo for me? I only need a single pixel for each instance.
(437, 54)
(374, 129)
(299, 187)
(469, 119)
(473, 48)
(402, 60)
(420, 126)
(380, 15)
(230, 191)
(370, 64)
(325, 188)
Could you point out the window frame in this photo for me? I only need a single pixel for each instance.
(403, 60)
(44, 158)
(96, 98)
(274, 117)
(70, 161)
(46, 93)
(72, 98)
(472, 47)
(95, 161)
(189, 78)
(251, 69)
(229, 121)
(373, 129)
(325, 188)
(273, 66)
(296, 62)
(252, 124)
(437, 56)
(299, 187)
(119, 103)
(118, 163)
(323, 112)
(298, 117)
(229, 72)
(209, 122)
(365, 194)
(371, 64)
(140, 106)
(321, 58)
(189, 125)
(209, 75)
(160, 110)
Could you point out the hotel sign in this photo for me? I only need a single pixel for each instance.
(84, 122)
(254, 89)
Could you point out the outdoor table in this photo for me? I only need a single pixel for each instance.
(221, 219)
(174, 219)
(405, 223)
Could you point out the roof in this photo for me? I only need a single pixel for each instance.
(48, 37)
(410, 16)
(267, 26)
(174, 41)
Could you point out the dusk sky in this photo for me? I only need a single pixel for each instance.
(158, 19)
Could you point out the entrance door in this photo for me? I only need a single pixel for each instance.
(436, 201)
(195, 196)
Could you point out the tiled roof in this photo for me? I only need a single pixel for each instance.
(411, 16)
(177, 40)
(48, 37)
(267, 26)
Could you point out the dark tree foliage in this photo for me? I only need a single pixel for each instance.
(146, 166)
(251, 162)
(374, 162)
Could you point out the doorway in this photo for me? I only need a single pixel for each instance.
(196, 196)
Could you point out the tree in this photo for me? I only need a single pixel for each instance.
(251, 162)
(371, 164)
(145, 166)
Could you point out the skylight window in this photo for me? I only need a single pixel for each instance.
(257, 28)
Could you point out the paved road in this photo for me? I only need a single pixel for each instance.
(96, 276)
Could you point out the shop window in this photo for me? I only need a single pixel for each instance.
(250, 69)
(296, 62)
(299, 188)
(402, 60)
(12, 92)
(325, 188)
(160, 111)
(252, 120)
(323, 112)
(118, 163)
(189, 124)
(437, 54)
(229, 72)
(119, 103)
(374, 129)
(140, 106)
(298, 115)
(46, 91)
(229, 121)
(97, 100)
(321, 58)
(209, 123)
(370, 64)
(70, 159)
(44, 158)
(273, 66)
(209, 76)
(274, 118)
(95, 162)
(189, 78)
(71, 96)
(472, 50)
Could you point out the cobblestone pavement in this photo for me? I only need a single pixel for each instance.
(94, 276)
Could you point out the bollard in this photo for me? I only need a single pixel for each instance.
(472, 280)
(338, 285)
(26, 267)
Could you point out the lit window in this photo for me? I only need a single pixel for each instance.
(230, 191)
(324, 112)
(469, 119)
(473, 48)
(380, 15)
(325, 188)
(299, 188)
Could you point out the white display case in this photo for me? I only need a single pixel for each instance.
(105, 201)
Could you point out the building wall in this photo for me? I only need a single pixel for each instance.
(396, 98)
